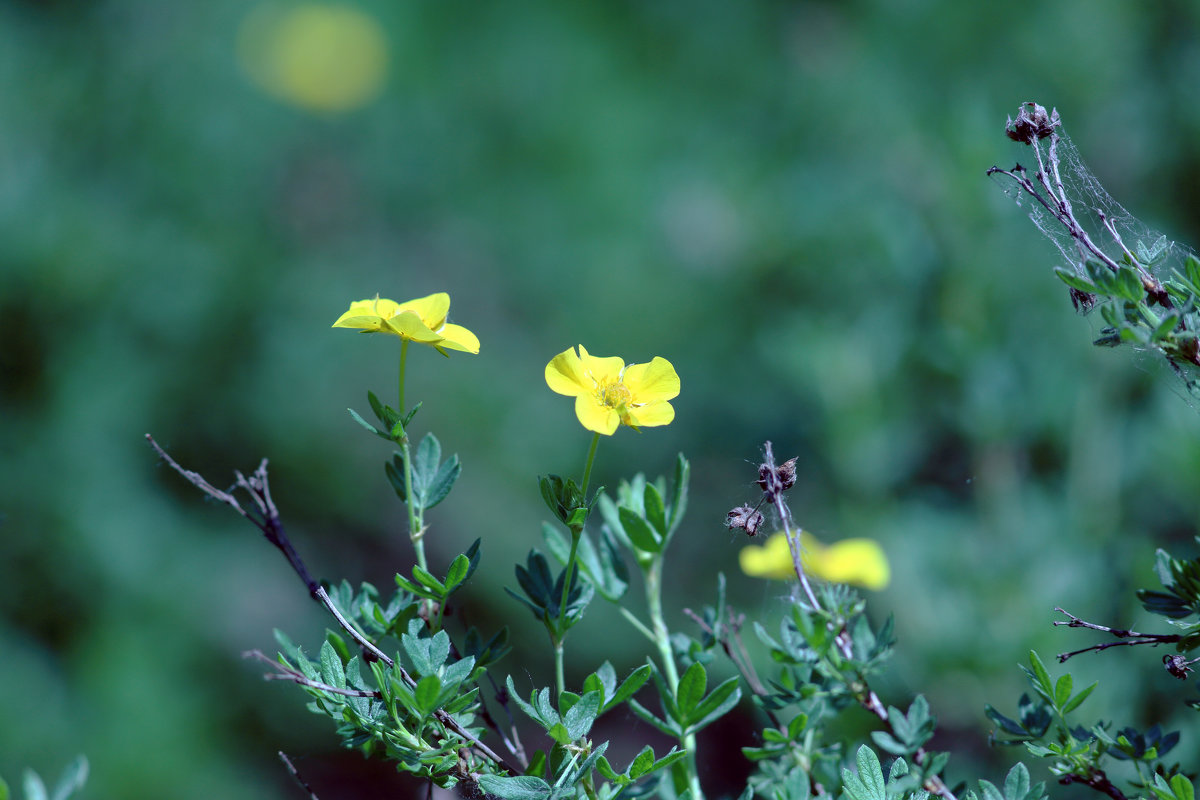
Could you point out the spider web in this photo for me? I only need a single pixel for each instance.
(1157, 254)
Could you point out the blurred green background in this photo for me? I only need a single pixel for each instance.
(786, 199)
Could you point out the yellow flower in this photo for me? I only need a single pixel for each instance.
(857, 561)
(422, 320)
(324, 57)
(607, 393)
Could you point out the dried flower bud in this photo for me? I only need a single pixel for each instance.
(787, 473)
(779, 479)
(746, 518)
(1177, 665)
(1083, 301)
(1032, 123)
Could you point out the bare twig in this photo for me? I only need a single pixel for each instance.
(1098, 781)
(1128, 638)
(287, 762)
(265, 516)
(286, 673)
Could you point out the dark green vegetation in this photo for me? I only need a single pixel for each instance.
(788, 202)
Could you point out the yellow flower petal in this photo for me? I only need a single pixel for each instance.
(650, 416)
(407, 325)
(651, 382)
(456, 337)
(432, 309)
(422, 320)
(596, 417)
(857, 561)
(565, 374)
(771, 560)
(861, 562)
(601, 370)
(606, 395)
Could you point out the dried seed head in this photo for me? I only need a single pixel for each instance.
(745, 518)
(1177, 665)
(1083, 301)
(778, 479)
(787, 473)
(1032, 123)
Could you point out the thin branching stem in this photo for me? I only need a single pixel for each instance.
(266, 518)
(1126, 637)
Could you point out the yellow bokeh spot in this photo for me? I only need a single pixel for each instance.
(318, 56)
(860, 562)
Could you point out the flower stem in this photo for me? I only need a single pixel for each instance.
(416, 522)
(403, 364)
(559, 682)
(662, 638)
(587, 468)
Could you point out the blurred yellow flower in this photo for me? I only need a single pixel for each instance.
(325, 57)
(856, 561)
(608, 394)
(422, 320)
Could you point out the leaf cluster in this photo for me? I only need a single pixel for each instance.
(1079, 753)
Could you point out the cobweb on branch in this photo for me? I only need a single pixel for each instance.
(1109, 227)
(1089, 200)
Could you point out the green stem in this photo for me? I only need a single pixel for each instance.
(416, 522)
(403, 363)
(559, 681)
(562, 608)
(636, 623)
(570, 569)
(587, 468)
(662, 638)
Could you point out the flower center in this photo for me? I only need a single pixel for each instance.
(613, 395)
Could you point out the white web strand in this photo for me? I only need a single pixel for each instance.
(1092, 207)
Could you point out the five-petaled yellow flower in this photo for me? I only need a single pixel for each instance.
(857, 561)
(422, 320)
(608, 394)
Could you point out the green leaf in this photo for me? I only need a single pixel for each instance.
(395, 475)
(868, 783)
(1182, 787)
(521, 787)
(331, 667)
(1129, 285)
(1164, 329)
(457, 572)
(639, 531)
(628, 687)
(366, 424)
(1062, 690)
(1192, 266)
(990, 792)
(427, 693)
(1016, 783)
(691, 691)
(33, 786)
(578, 720)
(443, 481)
(890, 743)
(640, 711)
(718, 703)
(427, 578)
(679, 500)
(656, 512)
(1074, 281)
(1040, 675)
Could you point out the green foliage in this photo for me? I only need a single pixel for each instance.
(72, 779)
(1075, 752)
